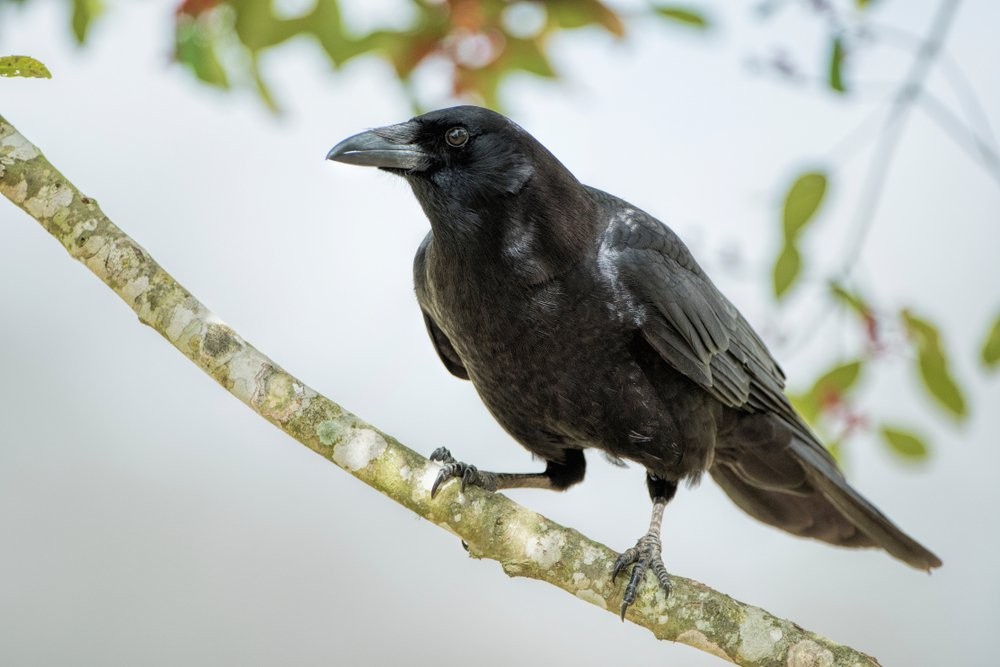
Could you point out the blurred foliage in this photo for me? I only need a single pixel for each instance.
(830, 391)
(933, 366)
(482, 42)
(836, 77)
(23, 66)
(692, 17)
(991, 348)
(84, 12)
(903, 443)
(801, 204)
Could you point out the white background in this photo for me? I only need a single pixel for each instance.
(147, 517)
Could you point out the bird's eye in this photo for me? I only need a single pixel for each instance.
(456, 136)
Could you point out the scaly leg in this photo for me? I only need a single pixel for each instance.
(646, 554)
(558, 475)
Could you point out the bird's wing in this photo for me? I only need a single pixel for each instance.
(687, 320)
(694, 328)
(446, 351)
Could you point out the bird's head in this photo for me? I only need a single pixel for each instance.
(483, 182)
(464, 157)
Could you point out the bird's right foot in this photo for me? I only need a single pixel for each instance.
(466, 472)
(646, 555)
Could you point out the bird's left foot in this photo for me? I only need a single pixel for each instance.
(646, 555)
(466, 472)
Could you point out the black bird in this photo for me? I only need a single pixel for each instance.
(584, 322)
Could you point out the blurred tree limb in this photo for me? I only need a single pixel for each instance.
(523, 542)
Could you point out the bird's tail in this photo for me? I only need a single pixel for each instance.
(798, 488)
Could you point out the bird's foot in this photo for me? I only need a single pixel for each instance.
(466, 472)
(646, 555)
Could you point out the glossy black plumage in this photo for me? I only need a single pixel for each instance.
(585, 323)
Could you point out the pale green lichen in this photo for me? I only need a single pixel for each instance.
(545, 549)
(180, 319)
(16, 193)
(14, 147)
(279, 396)
(359, 448)
(590, 555)
(330, 432)
(124, 262)
(135, 289)
(808, 653)
(756, 635)
(244, 369)
(48, 200)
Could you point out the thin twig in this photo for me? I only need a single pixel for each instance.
(903, 101)
(905, 98)
(963, 135)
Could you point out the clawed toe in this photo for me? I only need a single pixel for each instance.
(645, 555)
(465, 472)
(468, 473)
(443, 455)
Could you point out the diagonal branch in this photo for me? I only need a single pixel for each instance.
(523, 542)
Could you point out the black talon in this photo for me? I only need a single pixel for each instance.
(443, 476)
(469, 475)
(645, 555)
(624, 560)
(466, 473)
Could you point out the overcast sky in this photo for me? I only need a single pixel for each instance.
(147, 517)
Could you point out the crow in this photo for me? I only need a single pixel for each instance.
(585, 323)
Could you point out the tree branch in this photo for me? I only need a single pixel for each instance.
(523, 542)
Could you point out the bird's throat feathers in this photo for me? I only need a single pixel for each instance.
(536, 229)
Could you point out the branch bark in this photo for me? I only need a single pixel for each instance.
(523, 542)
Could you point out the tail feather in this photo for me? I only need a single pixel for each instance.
(797, 487)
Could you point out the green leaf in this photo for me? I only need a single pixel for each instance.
(862, 4)
(527, 55)
(84, 12)
(686, 15)
(802, 202)
(196, 49)
(839, 379)
(828, 389)
(836, 61)
(904, 443)
(23, 66)
(860, 307)
(850, 299)
(933, 366)
(786, 269)
(580, 13)
(991, 348)
(262, 88)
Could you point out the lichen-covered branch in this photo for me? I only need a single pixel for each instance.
(523, 542)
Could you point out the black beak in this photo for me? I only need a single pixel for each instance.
(388, 147)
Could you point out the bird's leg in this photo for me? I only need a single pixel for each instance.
(646, 554)
(558, 475)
